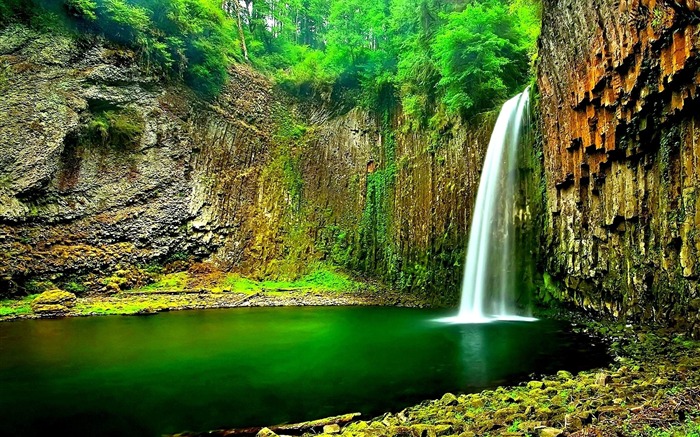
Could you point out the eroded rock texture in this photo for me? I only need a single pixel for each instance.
(104, 166)
(621, 124)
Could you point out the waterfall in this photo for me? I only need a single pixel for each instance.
(489, 286)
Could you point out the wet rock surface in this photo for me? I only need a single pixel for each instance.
(619, 117)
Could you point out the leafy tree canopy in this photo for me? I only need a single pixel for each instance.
(438, 57)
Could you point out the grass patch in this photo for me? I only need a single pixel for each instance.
(16, 307)
(125, 307)
(323, 279)
(170, 282)
(238, 284)
(319, 280)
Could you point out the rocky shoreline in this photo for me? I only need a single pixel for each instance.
(651, 389)
(142, 303)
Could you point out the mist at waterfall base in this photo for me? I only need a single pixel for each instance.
(489, 290)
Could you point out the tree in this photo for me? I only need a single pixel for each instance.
(480, 56)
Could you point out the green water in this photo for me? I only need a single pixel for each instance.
(199, 370)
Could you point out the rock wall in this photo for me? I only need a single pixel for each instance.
(621, 139)
(396, 203)
(105, 166)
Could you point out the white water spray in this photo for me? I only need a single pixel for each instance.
(488, 287)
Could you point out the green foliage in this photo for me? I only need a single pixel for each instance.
(85, 9)
(35, 286)
(119, 129)
(191, 39)
(440, 58)
(514, 426)
(75, 287)
(479, 57)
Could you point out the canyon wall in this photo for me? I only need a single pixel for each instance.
(618, 83)
(105, 167)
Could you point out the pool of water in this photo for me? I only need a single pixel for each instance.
(199, 370)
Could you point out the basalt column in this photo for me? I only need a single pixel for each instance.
(620, 117)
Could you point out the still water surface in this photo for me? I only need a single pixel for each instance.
(199, 370)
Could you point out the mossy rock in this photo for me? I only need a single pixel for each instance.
(266, 432)
(563, 374)
(449, 399)
(423, 430)
(49, 309)
(535, 384)
(54, 297)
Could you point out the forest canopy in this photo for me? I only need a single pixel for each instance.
(437, 57)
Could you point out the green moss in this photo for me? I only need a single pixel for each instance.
(16, 307)
(117, 129)
(329, 280)
(55, 296)
(321, 279)
(170, 282)
(125, 307)
(153, 269)
(75, 287)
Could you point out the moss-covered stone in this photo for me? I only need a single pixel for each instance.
(266, 432)
(48, 309)
(55, 297)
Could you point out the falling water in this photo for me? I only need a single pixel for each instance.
(488, 287)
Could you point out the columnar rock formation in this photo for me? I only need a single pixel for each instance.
(621, 123)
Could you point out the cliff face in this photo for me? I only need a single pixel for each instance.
(105, 166)
(393, 203)
(102, 165)
(621, 126)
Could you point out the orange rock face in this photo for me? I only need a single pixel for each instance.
(621, 131)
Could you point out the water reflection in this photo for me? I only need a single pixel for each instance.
(474, 357)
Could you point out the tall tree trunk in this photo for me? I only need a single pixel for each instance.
(234, 7)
